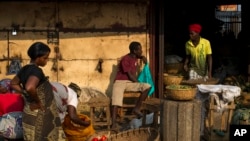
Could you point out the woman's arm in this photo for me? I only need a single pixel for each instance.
(209, 57)
(15, 84)
(31, 86)
(186, 62)
(73, 116)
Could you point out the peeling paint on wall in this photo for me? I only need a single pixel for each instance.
(86, 33)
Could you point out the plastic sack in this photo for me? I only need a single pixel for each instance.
(11, 125)
(137, 123)
(171, 59)
(145, 77)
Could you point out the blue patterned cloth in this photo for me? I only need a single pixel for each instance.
(11, 125)
(6, 83)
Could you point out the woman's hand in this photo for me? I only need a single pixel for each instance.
(35, 106)
(86, 122)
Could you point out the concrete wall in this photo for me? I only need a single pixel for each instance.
(87, 32)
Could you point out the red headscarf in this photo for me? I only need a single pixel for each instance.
(195, 27)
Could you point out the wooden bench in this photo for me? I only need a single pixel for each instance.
(103, 103)
(129, 101)
(151, 105)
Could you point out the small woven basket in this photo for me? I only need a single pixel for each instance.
(172, 79)
(180, 92)
(174, 68)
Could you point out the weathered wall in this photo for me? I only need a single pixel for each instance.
(87, 32)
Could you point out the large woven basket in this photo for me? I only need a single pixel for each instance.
(174, 68)
(170, 79)
(180, 92)
(140, 134)
(211, 81)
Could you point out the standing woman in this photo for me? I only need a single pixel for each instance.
(40, 118)
(198, 62)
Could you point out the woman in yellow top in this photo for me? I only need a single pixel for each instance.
(198, 60)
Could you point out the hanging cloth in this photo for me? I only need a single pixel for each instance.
(145, 77)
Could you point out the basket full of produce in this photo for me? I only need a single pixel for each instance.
(180, 92)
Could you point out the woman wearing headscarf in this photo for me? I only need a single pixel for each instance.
(198, 60)
(40, 117)
(77, 127)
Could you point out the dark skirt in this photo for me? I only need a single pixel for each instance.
(42, 125)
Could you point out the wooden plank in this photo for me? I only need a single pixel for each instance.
(197, 117)
(131, 94)
(128, 105)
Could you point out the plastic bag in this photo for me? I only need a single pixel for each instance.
(137, 123)
(11, 125)
(145, 77)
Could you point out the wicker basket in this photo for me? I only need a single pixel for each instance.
(211, 81)
(180, 92)
(140, 134)
(172, 79)
(174, 68)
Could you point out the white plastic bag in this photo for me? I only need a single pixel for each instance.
(171, 59)
(136, 123)
(11, 125)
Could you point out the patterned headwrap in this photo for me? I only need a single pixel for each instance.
(76, 88)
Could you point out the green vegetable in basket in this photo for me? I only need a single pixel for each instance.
(176, 87)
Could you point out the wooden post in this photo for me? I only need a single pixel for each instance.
(180, 120)
(248, 76)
